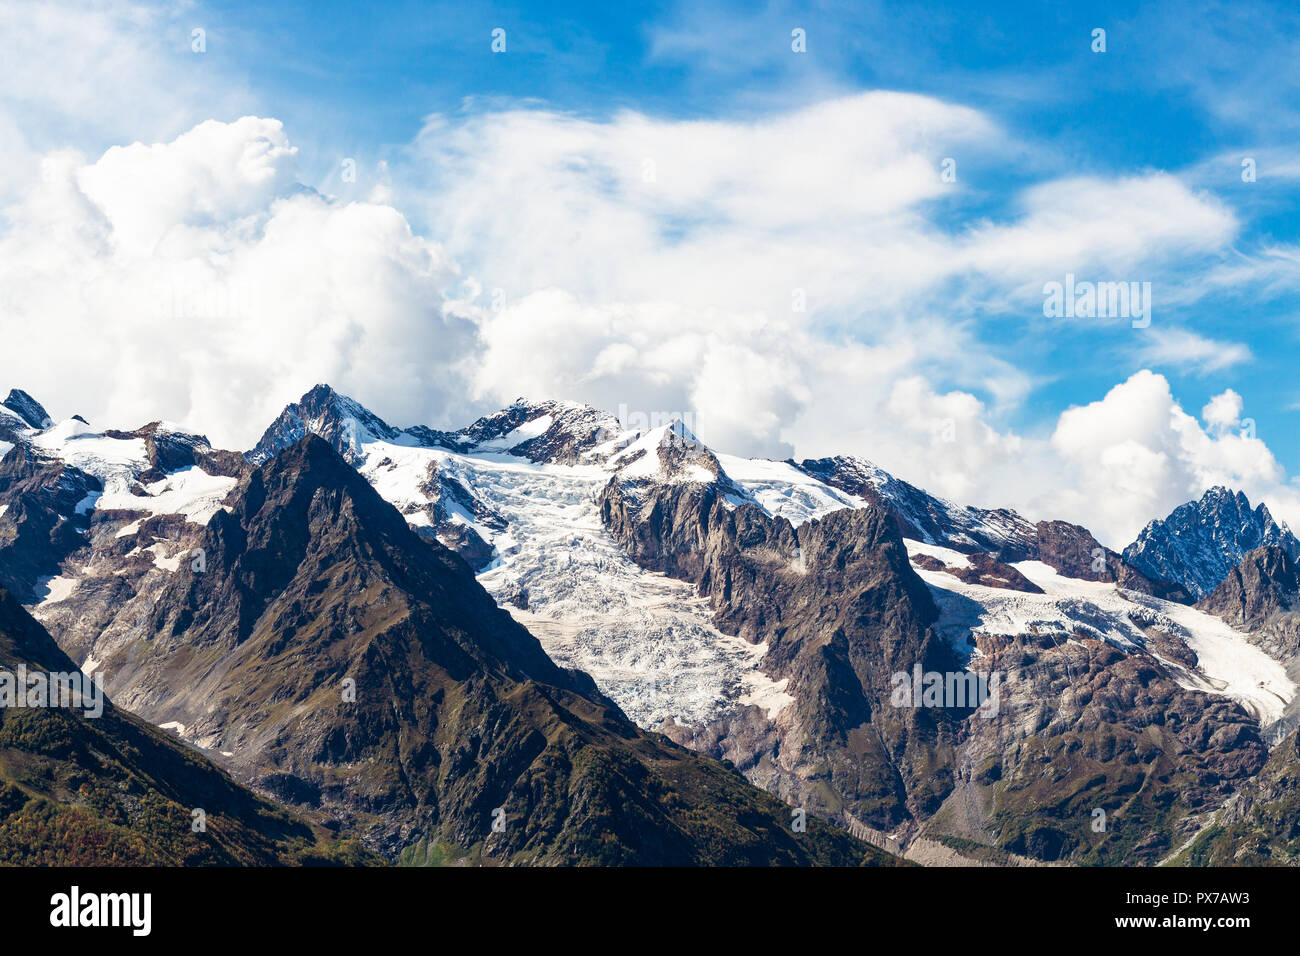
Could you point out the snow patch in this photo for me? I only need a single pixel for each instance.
(191, 492)
(1228, 664)
(785, 491)
(54, 589)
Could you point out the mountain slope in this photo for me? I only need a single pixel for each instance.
(754, 611)
(311, 580)
(1263, 827)
(109, 789)
(923, 517)
(840, 611)
(1264, 585)
(28, 409)
(42, 516)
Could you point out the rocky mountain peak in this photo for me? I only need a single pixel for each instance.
(925, 517)
(346, 424)
(28, 409)
(543, 432)
(1266, 582)
(1201, 541)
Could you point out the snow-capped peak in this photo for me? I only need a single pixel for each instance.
(1201, 541)
(669, 452)
(555, 432)
(28, 409)
(342, 421)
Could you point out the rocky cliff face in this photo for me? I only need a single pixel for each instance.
(42, 520)
(1072, 550)
(28, 409)
(1264, 585)
(1095, 756)
(1262, 597)
(341, 661)
(841, 612)
(1262, 827)
(168, 450)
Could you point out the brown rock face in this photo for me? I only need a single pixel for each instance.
(1075, 553)
(1263, 827)
(1084, 727)
(841, 611)
(1265, 584)
(984, 569)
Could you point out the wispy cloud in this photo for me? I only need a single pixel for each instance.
(1185, 350)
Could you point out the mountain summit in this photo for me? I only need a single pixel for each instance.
(28, 409)
(1202, 541)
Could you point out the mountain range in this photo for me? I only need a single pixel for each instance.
(550, 638)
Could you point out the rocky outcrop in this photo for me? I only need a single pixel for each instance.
(42, 517)
(342, 422)
(1072, 551)
(1262, 827)
(1077, 726)
(1264, 585)
(170, 451)
(555, 432)
(28, 409)
(991, 573)
(1094, 756)
(841, 612)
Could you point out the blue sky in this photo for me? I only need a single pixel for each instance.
(774, 171)
(1185, 90)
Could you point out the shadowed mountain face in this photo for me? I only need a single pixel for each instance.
(40, 523)
(343, 661)
(27, 408)
(1265, 585)
(109, 789)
